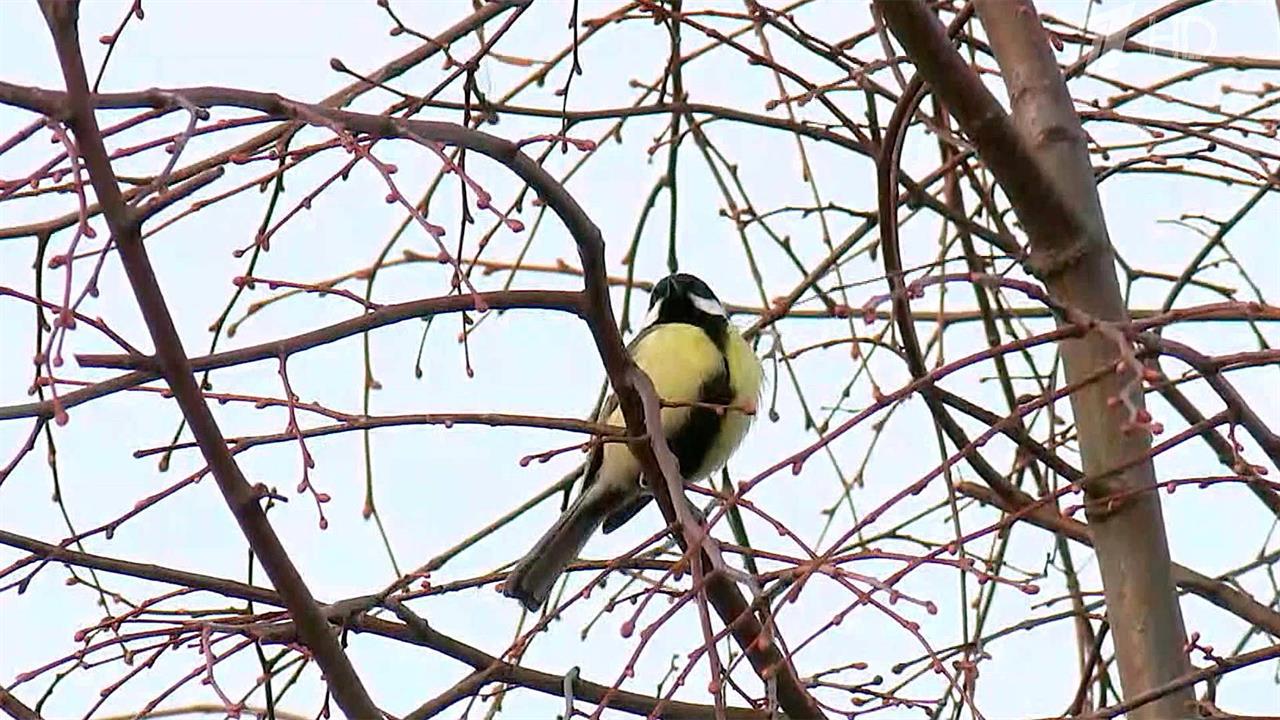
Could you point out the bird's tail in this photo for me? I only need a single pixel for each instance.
(532, 579)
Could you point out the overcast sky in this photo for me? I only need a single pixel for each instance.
(436, 486)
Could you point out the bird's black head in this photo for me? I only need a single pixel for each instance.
(684, 298)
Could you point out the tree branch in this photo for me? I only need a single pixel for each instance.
(731, 606)
(567, 301)
(1028, 509)
(15, 707)
(1040, 159)
(341, 98)
(345, 685)
(351, 614)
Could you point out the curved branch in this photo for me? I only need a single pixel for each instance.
(567, 301)
(734, 610)
(350, 613)
(345, 685)
(1024, 507)
(1040, 160)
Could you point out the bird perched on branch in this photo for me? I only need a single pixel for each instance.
(709, 381)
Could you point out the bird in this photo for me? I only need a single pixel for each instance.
(709, 379)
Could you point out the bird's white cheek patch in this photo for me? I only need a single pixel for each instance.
(652, 317)
(707, 305)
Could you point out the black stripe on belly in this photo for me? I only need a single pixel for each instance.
(695, 437)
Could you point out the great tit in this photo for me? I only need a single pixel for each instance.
(701, 365)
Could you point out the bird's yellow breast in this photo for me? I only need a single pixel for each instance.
(679, 359)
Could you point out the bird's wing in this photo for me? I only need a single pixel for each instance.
(596, 455)
(620, 517)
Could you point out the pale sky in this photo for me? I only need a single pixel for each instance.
(435, 486)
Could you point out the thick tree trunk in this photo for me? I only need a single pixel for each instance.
(1072, 255)
(1129, 534)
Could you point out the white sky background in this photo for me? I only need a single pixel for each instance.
(436, 486)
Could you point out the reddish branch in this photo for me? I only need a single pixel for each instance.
(630, 385)
(341, 98)
(1211, 370)
(351, 613)
(490, 669)
(385, 315)
(1041, 514)
(1040, 159)
(1185, 682)
(241, 498)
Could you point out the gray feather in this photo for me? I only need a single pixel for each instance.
(532, 579)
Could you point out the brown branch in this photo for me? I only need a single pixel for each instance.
(511, 299)
(1028, 509)
(1118, 38)
(215, 709)
(1035, 198)
(1185, 682)
(382, 317)
(156, 573)
(1041, 161)
(350, 613)
(596, 310)
(416, 631)
(15, 708)
(568, 301)
(34, 99)
(1221, 447)
(47, 552)
(341, 98)
(353, 423)
(1211, 370)
(784, 308)
(345, 685)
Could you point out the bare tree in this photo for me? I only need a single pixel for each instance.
(921, 258)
